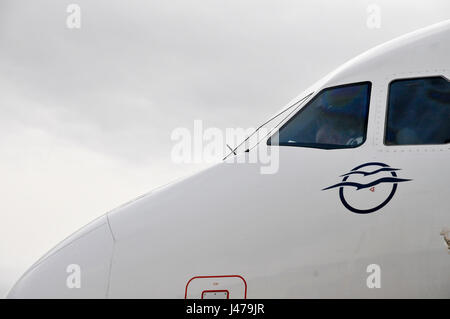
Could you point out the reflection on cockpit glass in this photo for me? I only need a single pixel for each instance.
(335, 118)
(418, 112)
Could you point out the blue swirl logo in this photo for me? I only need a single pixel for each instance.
(386, 177)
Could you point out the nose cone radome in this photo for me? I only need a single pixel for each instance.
(79, 267)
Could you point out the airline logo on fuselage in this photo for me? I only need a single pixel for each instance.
(368, 187)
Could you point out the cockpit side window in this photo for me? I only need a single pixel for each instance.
(418, 112)
(335, 118)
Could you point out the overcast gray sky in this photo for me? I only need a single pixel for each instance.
(86, 114)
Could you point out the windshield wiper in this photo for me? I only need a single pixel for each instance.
(233, 150)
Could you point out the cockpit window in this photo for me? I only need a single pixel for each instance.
(418, 112)
(335, 118)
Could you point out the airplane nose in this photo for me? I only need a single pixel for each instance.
(79, 267)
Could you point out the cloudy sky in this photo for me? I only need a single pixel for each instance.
(86, 114)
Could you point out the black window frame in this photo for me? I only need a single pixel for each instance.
(329, 146)
(387, 108)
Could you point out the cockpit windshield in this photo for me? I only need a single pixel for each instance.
(286, 112)
(335, 118)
